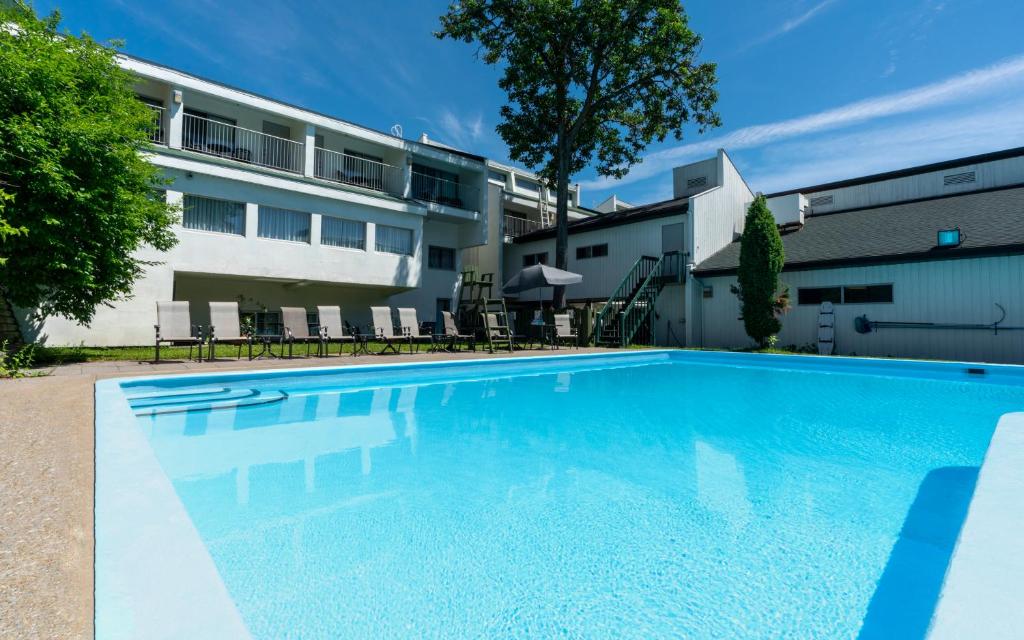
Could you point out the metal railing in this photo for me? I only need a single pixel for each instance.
(623, 294)
(442, 191)
(157, 133)
(238, 143)
(639, 310)
(514, 226)
(348, 169)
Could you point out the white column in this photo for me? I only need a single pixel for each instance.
(310, 162)
(407, 178)
(175, 116)
(315, 223)
(371, 237)
(252, 219)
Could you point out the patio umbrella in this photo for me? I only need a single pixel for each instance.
(539, 276)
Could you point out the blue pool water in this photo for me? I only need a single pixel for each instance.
(619, 497)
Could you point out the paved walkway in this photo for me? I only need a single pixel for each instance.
(46, 483)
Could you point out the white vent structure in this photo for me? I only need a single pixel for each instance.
(967, 177)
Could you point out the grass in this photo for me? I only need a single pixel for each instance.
(51, 356)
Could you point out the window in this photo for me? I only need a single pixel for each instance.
(708, 291)
(817, 295)
(495, 176)
(435, 185)
(592, 251)
(528, 185)
(441, 258)
(282, 224)
(219, 216)
(867, 294)
(394, 240)
(531, 259)
(849, 294)
(339, 232)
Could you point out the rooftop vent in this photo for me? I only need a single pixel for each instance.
(966, 177)
(821, 201)
(696, 182)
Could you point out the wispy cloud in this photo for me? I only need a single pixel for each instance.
(878, 149)
(458, 131)
(956, 88)
(793, 23)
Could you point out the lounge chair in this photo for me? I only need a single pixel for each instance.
(564, 331)
(497, 333)
(295, 328)
(451, 335)
(174, 326)
(410, 326)
(226, 328)
(332, 329)
(383, 331)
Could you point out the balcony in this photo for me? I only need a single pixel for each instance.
(443, 191)
(514, 226)
(157, 133)
(224, 140)
(360, 172)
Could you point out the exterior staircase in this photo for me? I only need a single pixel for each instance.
(630, 309)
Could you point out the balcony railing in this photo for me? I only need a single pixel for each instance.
(245, 145)
(361, 172)
(157, 133)
(441, 191)
(514, 226)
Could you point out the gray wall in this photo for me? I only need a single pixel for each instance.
(948, 291)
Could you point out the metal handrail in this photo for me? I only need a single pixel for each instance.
(514, 226)
(238, 143)
(443, 191)
(157, 134)
(635, 313)
(628, 283)
(360, 172)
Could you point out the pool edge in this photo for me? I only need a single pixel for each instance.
(983, 589)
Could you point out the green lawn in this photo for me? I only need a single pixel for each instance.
(48, 356)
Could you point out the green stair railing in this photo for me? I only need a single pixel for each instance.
(622, 295)
(639, 311)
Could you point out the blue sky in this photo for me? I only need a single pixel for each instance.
(811, 90)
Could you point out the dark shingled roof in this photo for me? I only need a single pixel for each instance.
(991, 221)
(662, 209)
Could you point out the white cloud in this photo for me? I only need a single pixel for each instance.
(460, 132)
(803, 163)
(792, 23)
(957, 88)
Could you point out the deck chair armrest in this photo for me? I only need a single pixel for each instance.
(197, 331)
(157, 327)
(287, 334)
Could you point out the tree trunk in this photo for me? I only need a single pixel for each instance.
(561, 222)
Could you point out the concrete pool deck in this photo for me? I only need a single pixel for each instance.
(46, 482)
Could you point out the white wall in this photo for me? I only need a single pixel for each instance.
(626, 243)
(948, 291)
(434, 283)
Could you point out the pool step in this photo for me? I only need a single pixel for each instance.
(205, 399)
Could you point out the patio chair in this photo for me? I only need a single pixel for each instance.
(174, 326)
(564, 331)
(496, 333)
(295, 328)
(410, 326)
(451, 334)
(226, 328)
(383, 331)
(332, 329)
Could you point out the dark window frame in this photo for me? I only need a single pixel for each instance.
(434, 261)
(531, 259)
(878, 293)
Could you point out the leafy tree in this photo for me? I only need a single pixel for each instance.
(587, 78)
(761, 260)
(71, 133)
(5, 228)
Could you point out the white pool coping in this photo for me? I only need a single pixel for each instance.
(180, 592)
(983, 593)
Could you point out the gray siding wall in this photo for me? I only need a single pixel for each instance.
(987, 175)
(949, 291)
(625, 242)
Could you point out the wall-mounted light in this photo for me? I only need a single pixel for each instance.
(177, 96)
(950, 237)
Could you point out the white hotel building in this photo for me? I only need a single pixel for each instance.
(283, 206)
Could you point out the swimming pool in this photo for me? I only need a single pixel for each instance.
(650, 494)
